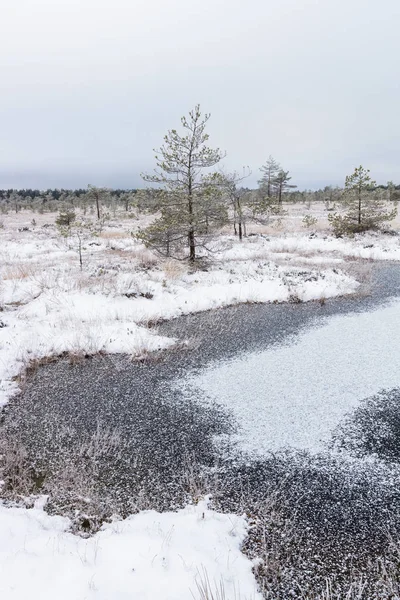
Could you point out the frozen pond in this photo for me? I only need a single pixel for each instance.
(267, 376)
(294, 394)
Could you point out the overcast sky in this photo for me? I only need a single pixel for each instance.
(89, 87)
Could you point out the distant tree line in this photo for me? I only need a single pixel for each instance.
(92, 198)
(54, 194)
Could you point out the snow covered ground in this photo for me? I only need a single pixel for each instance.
(50, 306)
(148, 556)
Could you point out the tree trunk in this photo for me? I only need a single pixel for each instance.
(192, 246)
(240, 231)
(269, 183)
(97, 206)
(80, 251)
(359, 207)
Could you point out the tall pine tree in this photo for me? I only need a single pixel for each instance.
(188, 198)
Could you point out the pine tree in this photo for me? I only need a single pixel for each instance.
(365, 208)
(189, 201)
(270, 171)
(266, 201)
(281, 183)
(99, 196)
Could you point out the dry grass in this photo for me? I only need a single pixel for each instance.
(114, 235)
(174, 269)
(146, 259)
(32, 365)
(20, 271)
(208, 591)
(15, 470)
(361, 270)
(72, 483)
(275, 546)
(105, 440)
(355, 592)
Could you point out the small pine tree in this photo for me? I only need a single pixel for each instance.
(263, 207)
(365, 208)
(65, 218)
(281, 184)
(265, 202)
(99, 196)
(270, 171)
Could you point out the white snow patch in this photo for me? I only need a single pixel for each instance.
(294, 395)
(147, 556)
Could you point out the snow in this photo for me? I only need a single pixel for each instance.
(147, 556)
(368, 246)
(294, 395)
(51, 307)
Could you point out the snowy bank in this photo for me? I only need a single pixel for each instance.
(147, 556)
